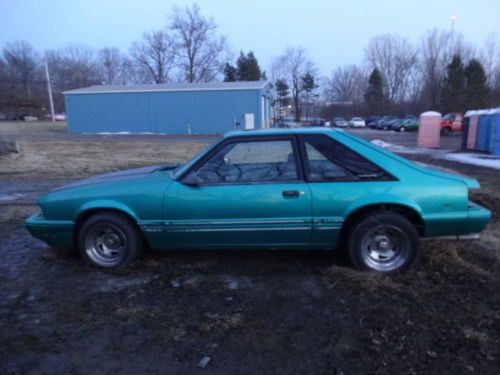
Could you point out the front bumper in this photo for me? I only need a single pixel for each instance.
(56, 233)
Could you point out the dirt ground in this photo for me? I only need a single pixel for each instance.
(249, 312)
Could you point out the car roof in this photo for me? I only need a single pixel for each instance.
(280, 131)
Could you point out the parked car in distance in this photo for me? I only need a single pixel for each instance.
(452, 122)
(357, 122)
(57, 116)
(409, 122)
(317, 121)
(305, 188)
(372, 121)
(339, 122)
(284, 123)
(387, 122)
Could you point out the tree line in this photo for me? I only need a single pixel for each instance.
(442, 71)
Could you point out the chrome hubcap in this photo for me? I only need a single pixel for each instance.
(105, 245)
(384, 247)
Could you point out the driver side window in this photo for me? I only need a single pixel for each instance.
(253, 161)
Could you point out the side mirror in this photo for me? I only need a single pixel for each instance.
(192, 179)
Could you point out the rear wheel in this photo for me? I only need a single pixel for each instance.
(109, 240)
(402, 129)
(384, 242)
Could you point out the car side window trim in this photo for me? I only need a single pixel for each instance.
(295, 149)
(305, 167)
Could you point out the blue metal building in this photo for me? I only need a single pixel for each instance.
(197, 108)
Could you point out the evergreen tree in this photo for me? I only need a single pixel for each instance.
(253, 68)
(248, 67)
(374, 95)
(308, 85)
(230, 73)
(283, 94)
(241, 65)
(452, 95)
(476, 90)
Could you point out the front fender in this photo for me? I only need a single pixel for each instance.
(107, 204)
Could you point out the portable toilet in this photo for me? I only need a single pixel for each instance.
(485, 131)
(463, 144)
(497, 131)
(429, 129)
(472, 132)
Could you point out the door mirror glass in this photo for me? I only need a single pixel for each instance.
(192, 179)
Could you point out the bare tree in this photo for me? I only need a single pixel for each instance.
(437, 49)
(113, 65)
(345, 84)
(73, 66)
(154, 55)
(21, 62)
(198, 50)
(490, 59)
(293, 65)
(395, 58)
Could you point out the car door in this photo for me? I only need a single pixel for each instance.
(337, 176)
(247, 192)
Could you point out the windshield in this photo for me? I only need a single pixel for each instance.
(449, 116)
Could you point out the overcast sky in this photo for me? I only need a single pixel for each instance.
(334, 32)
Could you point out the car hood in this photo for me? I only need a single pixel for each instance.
(125, 175)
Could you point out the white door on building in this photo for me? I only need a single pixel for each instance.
(249, 121)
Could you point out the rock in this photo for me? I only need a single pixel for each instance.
(116, 283)
(204, 362)
(432, 354)
(9, 147)
(192, 281)
(175, 283)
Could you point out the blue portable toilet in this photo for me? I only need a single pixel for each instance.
(485, 132)
(497, 131)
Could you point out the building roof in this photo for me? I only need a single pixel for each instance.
(209, 86)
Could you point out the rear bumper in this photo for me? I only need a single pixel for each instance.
(463, 225)
(55, 233)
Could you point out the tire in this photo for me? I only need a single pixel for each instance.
(384, 242)
(109, 240)
(445, 131)
(402, 129)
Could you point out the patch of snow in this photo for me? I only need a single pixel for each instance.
(430, 113)
(383, 144)
(474, 159)
(123, 133)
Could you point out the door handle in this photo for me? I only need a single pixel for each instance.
(292, 193)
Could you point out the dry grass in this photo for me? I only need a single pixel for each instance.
(37, 127)
(67, 159)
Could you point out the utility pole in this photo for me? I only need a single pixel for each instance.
(49, 88)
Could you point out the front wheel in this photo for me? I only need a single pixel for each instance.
(384, 242)
(109, 240)
(402, 129)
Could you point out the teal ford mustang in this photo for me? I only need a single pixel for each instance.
(267, 189)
